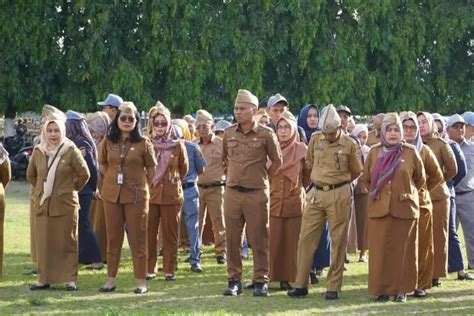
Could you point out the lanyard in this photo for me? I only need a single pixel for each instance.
(55, 156)
(123, 154)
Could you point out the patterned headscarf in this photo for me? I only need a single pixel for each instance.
(417, 142)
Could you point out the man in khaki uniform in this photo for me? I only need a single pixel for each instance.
(211, 182)
(374, 135)
(246, 146)
(335, 161)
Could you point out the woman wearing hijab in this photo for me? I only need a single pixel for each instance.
(308, 120)
(5, 177)
(56, 165)
(166, 193)
(127, 163)
(98, 124)
(440, 194)
(361, 193)
(287, 196)
(434, 177)
(78, 132)
(394, 173)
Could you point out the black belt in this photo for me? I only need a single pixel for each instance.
(329, 187)
(243, 189)
(188, 185)
(211, 185)
(463, 192)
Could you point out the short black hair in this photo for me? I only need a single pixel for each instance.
(114, 132)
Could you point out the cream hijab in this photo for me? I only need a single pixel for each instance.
(52, 151)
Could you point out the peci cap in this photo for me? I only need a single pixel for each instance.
(111, 100)
(330, 120)
(246, 96)
(51, 113)
(203, 117)
(128, 108)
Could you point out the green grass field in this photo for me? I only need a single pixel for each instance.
(192, 293)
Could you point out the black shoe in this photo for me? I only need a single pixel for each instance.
(234, 289)
(221, 260)
(313, 279)
(140, 290)
(160, 253)
(436, 282)
(401, 298)
(331, 295)
(105, 289)
(170, 277)
(466, 276)
(419, 293)
(249, 286)
(260, 289)
(285, 286)
(319, 272)
(150, 276)
(383, 298)
(71, 287)
(196, 268)
(34, 287)
(297, 292)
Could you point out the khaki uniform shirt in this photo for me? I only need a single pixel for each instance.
(399, 197)
(72, 174)
(333, 163)
(447, 162)
(212, 152)
(434, 177)
(373, 138)
(169, 190)
(245, 155)
(138, 157)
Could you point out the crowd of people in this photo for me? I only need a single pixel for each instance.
(302, 191)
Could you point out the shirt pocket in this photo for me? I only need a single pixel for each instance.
(232, 145)
(341, 160)
(256, 149)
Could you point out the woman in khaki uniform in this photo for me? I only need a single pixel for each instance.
(98, 124)
(394, 173)
(127, 163)
(439, 195)
(166, 193)
(5, 177)
(434, 177)
(287, 196)
(361, 194)
(56, 165)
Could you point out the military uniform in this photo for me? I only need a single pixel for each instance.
(246, 199)
(332, 167)
(211, 185)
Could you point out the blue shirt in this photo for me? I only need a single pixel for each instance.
(196, 161)
(467, 183)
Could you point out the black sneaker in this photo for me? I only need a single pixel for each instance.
(382, 298)
(234, 289)
(260, 289)
(313, 279)
(401, 298)
(419, 293)
(297, 292)
(221, 260)
(331, 295)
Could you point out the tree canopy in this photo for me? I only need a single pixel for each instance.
(372, 55)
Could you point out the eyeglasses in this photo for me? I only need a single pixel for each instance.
(160, 124)
(283, 127)
(127, 118)
(202, 126)
(409, 127)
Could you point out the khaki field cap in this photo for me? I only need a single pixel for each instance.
(330, 120)
(51, 113)
(128, 108)
(203, 117)
(246, 96)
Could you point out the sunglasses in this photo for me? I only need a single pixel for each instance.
(126, 118)
(160, 124)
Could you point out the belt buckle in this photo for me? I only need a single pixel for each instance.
(326, 187)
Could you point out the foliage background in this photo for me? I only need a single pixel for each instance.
(369, 54)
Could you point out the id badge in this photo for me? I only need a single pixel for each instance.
(120, 178)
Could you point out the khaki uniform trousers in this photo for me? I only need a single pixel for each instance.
(135, 218)
(425, 249)
(251, 208)
(211, 203)
(335, 206)
(169, 217)
(2, 223)
(440, 237)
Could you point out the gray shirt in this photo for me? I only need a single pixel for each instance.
(467, 183)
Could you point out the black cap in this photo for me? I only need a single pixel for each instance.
(343, 108)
